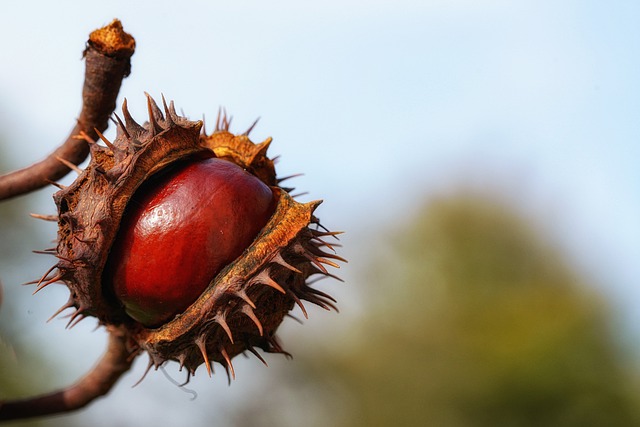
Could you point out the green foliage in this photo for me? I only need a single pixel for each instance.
(487, 326)
(473, 319)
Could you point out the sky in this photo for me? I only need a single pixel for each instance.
(381, 104)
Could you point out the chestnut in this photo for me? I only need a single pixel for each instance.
(186, 242)
(179, 230)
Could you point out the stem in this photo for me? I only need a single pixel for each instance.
(107, 59)
(116, 361)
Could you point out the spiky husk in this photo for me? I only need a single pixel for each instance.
(245, 303)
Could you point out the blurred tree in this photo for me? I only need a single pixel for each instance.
(472, 319)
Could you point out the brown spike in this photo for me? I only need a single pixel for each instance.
(222, 117)
(299, 303)
(225, 120)
(53, 218)
(310, 282)
(172, 110)
(333, 234)
(256, 354)
(318, 261)
(121, 126)
(167, 112)
(104, 139)
(315, 250)
(277, 348)
(54, 253)
(264, 278)
(200, 342)
(284, 178)
(82, 135)
(149, 365)
(317, 301)
(132, 125)
(157, 112)
(75, 318)
(294, 318)
(277, 258)
(31, 282)
(56, 184)
(320, 293)
(327, 305)
(43, 278)
(181, 360)
(318, 242)
(47, 283)
(275, 285)
(68, 304)
(315, 270)
(152, 109)
(253, 125)
(220, 319)
(242, 294)
(263, 146)
(329, 262)
(223, 351)
(248, 311)
(315, 261)
(69, 165)
(218, 122)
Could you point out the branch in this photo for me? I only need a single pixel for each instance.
(116, 361)
(107, 59)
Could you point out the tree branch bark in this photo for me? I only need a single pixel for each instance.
(107, 59)
(116, 361)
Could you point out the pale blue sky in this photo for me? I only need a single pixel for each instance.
(380, 103)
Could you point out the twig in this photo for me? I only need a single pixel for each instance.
(116, 361)
(107, 59)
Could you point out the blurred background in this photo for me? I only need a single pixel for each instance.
(481, 156)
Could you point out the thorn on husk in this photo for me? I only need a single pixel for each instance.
(132, 126)
(299, 303)
(68, 304)
(242, 294)
(106, 141)
(253, 125)
(149, 365)
(279, 260)
(248, 311)
(220, 320)
(53, 218)
(47, 283)
(56, 184)
(256, 354)
(229, 365)
(201, 343)
(121, 126)
(154, 114)
(70, 165)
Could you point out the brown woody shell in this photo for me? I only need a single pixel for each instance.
(245, 303)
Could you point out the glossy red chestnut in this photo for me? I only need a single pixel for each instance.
(179, 231)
